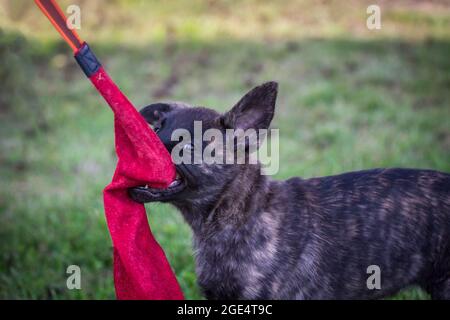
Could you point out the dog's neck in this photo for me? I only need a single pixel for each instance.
(235, 203)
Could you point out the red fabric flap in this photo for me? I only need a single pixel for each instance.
(141, 269)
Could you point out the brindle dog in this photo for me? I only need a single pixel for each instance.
(257, 238)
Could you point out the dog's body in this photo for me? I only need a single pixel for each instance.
(316, 238)
(320, 238)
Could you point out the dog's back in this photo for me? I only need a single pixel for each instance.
(392, 221)
(322, 238)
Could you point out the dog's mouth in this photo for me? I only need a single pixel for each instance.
(175, 187)
(184, 178)
(147, 194)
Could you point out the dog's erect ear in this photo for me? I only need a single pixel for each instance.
(154, 112)
(255, 110)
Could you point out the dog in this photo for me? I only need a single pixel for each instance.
(318, 238)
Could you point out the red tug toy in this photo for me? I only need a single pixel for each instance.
(141, 269)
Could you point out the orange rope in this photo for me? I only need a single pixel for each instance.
(54, 13)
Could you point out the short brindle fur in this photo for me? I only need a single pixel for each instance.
(257, 238)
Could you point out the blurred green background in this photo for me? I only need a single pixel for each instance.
(349, 99)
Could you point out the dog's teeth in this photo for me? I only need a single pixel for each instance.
(146, 186)
(174, 183)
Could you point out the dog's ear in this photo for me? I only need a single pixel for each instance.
(154, 112)
(255, 110)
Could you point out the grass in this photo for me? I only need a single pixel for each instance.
(349, 99)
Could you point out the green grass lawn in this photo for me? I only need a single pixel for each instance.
(349, 99)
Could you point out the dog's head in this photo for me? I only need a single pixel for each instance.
(203, 180)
